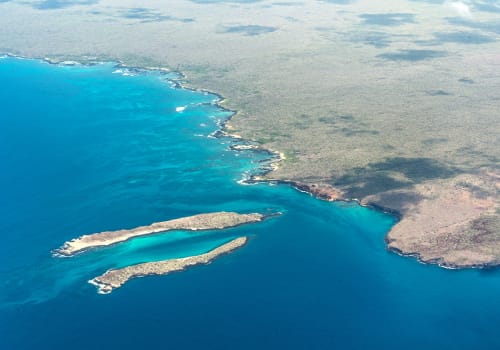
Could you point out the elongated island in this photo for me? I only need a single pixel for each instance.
(115, 278)
(209, 221)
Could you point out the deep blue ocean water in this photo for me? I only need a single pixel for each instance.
(86, 149)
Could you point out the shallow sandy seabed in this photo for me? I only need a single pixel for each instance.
(376, 101)
(115, 278)
(200, 222)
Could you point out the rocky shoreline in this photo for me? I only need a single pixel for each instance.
(327, 192)
(442, 263)
(454, 223)
(456, 203)
(115, 278)
(210, 221)
(329, 123)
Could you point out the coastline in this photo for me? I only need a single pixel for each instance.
(439, 262)
(275, 157)
(327, 192)
(115, 278)
(200, 222)
(334, 113)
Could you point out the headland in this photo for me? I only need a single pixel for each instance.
(115, 278)
(455, 224)
(210, 221)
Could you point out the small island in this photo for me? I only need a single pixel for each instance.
(209, 221)
(115, 278)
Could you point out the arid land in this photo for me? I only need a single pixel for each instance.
(210, 221)
(393, 103)
(115, 278)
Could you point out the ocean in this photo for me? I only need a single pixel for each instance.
(85, 149)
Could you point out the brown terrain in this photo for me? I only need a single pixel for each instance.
(393, 103)
(455, 224)
(115, 278)
(210, 221)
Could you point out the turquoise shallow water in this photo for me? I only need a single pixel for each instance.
(86, 149)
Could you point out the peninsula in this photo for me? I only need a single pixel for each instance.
(210, 221)
(115, 278)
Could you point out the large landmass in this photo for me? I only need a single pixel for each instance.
(210, 221)
(396, 108)
(115, 278)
